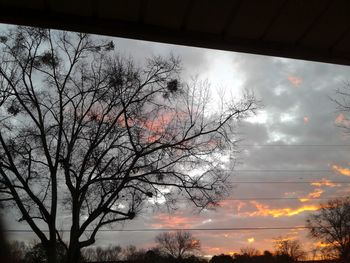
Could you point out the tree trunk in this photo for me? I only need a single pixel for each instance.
(73, 254)
(51, 252)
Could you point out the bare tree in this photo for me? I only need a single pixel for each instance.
(87, 133)
(250, 251)
(324, 252)
(178, 244)
(331, 225)
(290, 248)
(36, 253)
(110, 253)
(17, 251)
(342, 102)
(132, 253)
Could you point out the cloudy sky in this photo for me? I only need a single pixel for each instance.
(293, 154)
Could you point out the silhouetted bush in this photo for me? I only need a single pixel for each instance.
(221, 259)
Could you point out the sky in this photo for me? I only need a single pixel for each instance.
(293, 154)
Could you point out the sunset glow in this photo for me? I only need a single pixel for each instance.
(265, 210)
(325, 182)
(251, 240)
(316, 193)
(173, 221)
(341, 170)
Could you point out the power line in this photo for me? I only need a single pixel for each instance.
(293, 145)
(173, 229)
(277, 182)
(281, 171)
(332, 172)
(264, 170)
(248, 198)
(279, 198)
(288, 182)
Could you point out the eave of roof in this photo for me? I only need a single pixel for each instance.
(277, 28)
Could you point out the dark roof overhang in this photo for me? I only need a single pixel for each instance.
(317, 30)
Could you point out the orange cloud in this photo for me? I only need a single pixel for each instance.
(236, 205)
(285, 238)
(158, 124)
(321, 244)
(314, 194)
(173, 221)
(295, 81)
(153, 127)
(341, 170)
(156, 128)
(98, 113)
(324, 182)
(265, 210)
(212, 250)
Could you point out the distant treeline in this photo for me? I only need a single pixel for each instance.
(21, 252)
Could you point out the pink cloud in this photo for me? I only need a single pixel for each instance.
(295, 81)
(342, 120)
(164, 220)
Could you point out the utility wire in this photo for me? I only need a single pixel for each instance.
(241, 199)
(279, 198)
(281, 170)
(275, 182)
(288, 182)
(172, 229)
(293, 145)
(246, 198)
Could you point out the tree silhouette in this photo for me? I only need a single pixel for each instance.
(17, 251)
(221, 259)
(250, 251)
(87, 133)
(37, 254)
(289, 250)
(179, 244)
(110, 253)
(331, 225)
(342, 101)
